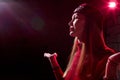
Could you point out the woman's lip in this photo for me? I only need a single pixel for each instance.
(71, 28)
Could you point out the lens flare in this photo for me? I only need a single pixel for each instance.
(112, 5)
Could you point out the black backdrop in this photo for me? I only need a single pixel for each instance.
(27, 31)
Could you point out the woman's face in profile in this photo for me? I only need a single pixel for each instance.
(77, 25)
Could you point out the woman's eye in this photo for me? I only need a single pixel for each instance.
(77, 17)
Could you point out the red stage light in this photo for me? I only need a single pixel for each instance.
(112, 5)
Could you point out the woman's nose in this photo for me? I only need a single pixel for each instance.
(70, 23)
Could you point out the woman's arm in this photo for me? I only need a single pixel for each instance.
(111, 67)
(55, 65)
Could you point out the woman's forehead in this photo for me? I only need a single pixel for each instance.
(78, 14)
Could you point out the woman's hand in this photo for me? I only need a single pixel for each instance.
(55, 65)
(48, 55)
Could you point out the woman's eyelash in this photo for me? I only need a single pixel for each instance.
(77, 17)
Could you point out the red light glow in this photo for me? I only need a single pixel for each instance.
(112, 5)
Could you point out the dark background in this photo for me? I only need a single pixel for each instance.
(28, 29)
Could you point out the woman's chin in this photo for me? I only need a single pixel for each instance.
(72, 34)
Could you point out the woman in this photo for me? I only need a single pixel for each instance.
(89, 54)
(112, 71)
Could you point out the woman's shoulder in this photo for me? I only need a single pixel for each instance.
(115, 57)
